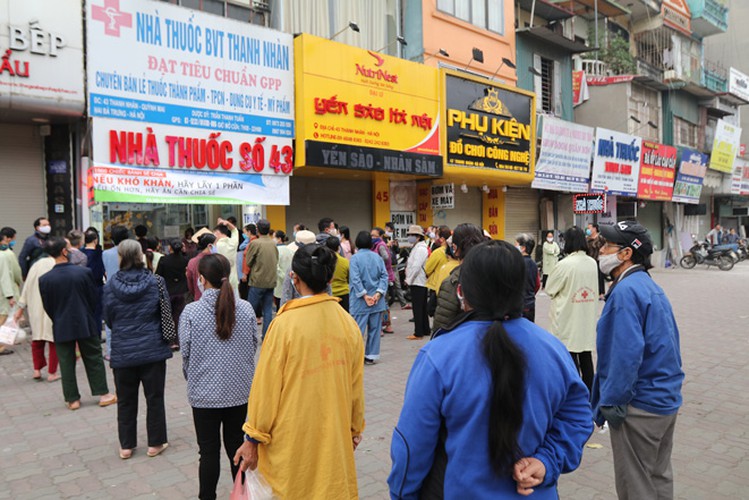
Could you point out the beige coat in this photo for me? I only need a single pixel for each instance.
(551, 256)
(41, 324)
(10, 279)
(573, 288)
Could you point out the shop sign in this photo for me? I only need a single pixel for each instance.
(616, 163)
(740, 178)
(173, 88)
(443, 196)
(366, 103)
(688, 185)
(423, 204)
(488, 125)
(155, 185)
(564, 162)
(592, 203)
(41, 43)
(599, 81)
(401, 221)
(580, 92)
(738, 84)
(608, 217)
(657, 172)
(725, 146)
(676, 15)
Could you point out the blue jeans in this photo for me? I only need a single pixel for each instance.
(370, 326)
(262, 302)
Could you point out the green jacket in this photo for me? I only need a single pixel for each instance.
(448, 305)
(262, 259)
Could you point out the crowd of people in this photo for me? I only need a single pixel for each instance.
(494, 405)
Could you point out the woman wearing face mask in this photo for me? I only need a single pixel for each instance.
(172, 268)
(206, 246)
(573, 288)
(550, 257)
(416, 278)
(500, 393)
(218, 340)
(346, 248)
(368, 283)
(465, 237)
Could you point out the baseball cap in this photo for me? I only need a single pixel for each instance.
(629, 233)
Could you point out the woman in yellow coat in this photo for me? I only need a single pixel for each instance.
(306, 406)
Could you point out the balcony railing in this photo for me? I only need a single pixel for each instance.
(715, 77)
(709, 17)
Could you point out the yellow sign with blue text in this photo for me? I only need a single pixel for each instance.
(362, 110)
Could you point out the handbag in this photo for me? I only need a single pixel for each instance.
(168, 330)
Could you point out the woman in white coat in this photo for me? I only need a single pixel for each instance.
(573, 288)
(551, 253)
(41, 324)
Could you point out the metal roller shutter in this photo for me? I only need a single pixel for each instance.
(521, 213)
(22, 193)
(347, 202)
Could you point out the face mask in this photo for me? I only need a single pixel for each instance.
(388, 234)
(200, 286)
(244, 236)
(519, 248)
(588, 232)
(412, 239)
(550, 240)
(334, 232)
(431, 235)
(609, 262)
(45, 229)
(214, 249)
(12, 244)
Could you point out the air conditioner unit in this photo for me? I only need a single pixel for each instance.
(740, 211)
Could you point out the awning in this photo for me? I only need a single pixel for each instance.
(546, 9)
(545, 34)
(586, 8)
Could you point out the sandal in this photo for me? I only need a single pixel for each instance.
(106, 402)
(125, 454)
(414, 337)
(74, 405)
(5, 352)
(156, 450)
(53, 377)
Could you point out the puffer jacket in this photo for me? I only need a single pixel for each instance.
(448, 305)
(132, 311)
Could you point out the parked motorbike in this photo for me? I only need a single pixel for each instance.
(702, 253)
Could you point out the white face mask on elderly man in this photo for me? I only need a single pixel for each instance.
(609, 262)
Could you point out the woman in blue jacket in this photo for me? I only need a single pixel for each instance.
(139, 353)
(495, 393)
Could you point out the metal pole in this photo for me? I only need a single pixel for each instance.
(595, 7)
(533, 11)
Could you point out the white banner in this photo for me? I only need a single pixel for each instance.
(42, 65)
(564, 162)
(401, 221)
(616, 163)
(443, 196)
(189, 78)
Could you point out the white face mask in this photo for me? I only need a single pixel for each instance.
(412, 239)
(45, 229)
(550, 239)
(609, 262)
(200, 286)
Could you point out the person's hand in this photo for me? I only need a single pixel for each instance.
(221, 222)
(356, 440)
(369, 300)
(247, 454)
(12, 302)
(244, 279)
(528, 472)
(18, 315)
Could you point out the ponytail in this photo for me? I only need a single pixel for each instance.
(226, 313)
(149, 259)
(507, 366)
(216, 269)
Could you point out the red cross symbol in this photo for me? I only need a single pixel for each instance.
(584, 294)
(112, 17)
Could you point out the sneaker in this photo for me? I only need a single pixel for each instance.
(369, 361)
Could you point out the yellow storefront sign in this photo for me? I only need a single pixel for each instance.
(363, 110)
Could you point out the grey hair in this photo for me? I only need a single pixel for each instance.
(131, 255)
(527, 241)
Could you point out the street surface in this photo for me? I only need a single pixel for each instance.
(49, 452)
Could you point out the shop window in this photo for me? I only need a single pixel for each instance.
(685, 133)
(644, 104)
(548, 86)
(486, 14)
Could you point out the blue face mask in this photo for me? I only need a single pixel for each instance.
(12, 244)
(214, 249)
(588, 232)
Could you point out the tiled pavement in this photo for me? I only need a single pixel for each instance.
(49, 452)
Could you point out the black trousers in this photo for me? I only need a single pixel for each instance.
(127, 381)
(208, 426)
(244, 289)
(584, 362)
(421, 318)
(344, 301)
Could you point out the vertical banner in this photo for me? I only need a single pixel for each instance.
(616, 163)
(657, 172)
(692, 169)
(424, 204)
(725, 146)
(494, 216)
(564, 162)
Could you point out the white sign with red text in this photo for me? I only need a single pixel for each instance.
(173, 88)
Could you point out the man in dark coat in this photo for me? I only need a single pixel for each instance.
(32, 247)
(69, 298)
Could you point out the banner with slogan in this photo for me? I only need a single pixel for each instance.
(173, 88)
(488, 125)
(564, 162)
(363, 110)
(725, 146)
(152, 185)
(616, 163)
(657, 172)
(692, 169)
(740, 178)
(401, 222)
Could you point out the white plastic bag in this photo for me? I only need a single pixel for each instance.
(8, 332)
(255, 487)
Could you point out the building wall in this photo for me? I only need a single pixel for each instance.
(611, 98)
(458, 38)
(526, 48)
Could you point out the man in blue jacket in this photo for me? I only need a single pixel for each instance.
(69, 298)
(637, 387)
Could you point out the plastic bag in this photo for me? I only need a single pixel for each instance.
(255, 487)
(8, 332)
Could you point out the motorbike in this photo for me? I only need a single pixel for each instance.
(702, 253)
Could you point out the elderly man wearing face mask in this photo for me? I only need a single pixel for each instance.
(637, 386)
(32, 247)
